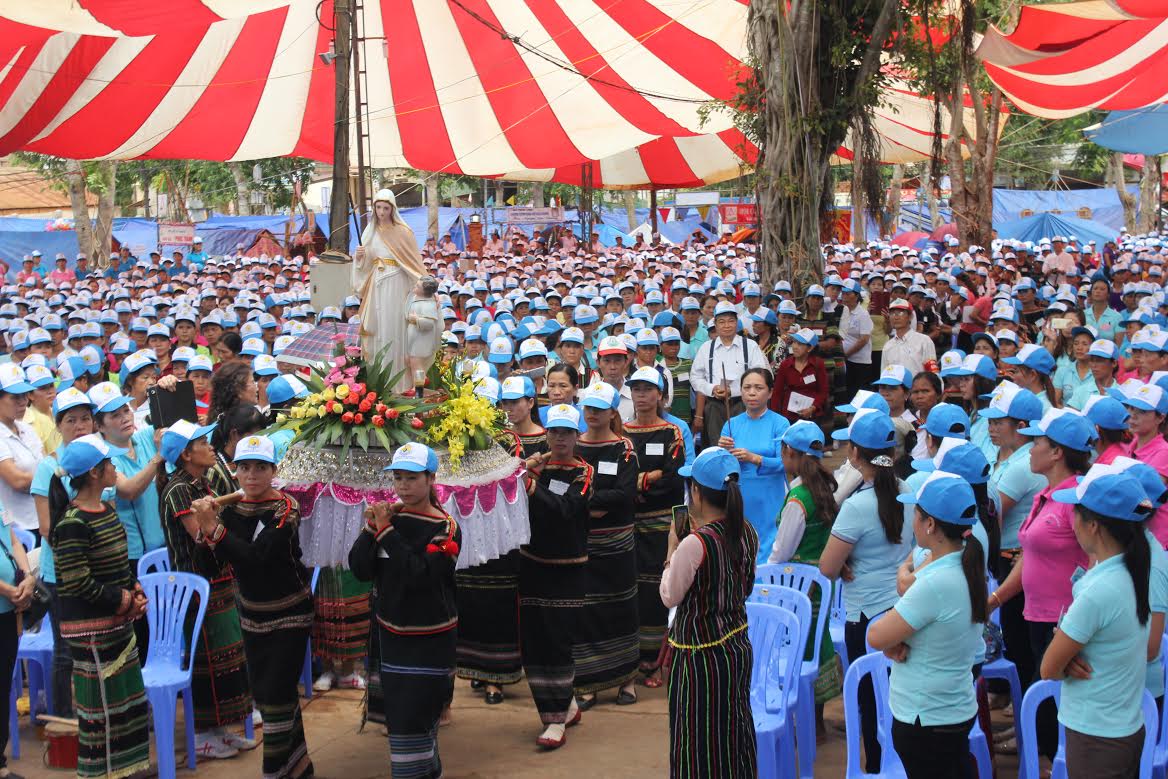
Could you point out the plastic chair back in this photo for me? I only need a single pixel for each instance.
(157, 561)
(26, 538)
(876, 666)
(1160, 755)
(801, 577)
(774, 636)
(169, 597)
(1025, 723)
(791, 600)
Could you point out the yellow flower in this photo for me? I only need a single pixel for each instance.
(338, 409)
(329, 394)
(342, 391)
(297, 413)
(313, 399)
(320, 412)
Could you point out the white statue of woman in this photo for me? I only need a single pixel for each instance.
(386, 267)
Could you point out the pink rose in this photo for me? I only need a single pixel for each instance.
(340, 361)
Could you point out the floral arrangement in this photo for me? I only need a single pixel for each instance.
(464, 421)
(352, 403)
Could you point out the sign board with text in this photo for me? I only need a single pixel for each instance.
(739, 213)
(529, 215)
(696, 199)
(175, 234)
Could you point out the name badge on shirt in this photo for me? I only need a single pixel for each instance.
(558, 487)
(607, 468)
(809, 379)
(683, 377)
(654, 449)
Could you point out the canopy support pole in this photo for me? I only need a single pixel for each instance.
(339, 202)
(652, 212)
(586, 204)
(360, 115)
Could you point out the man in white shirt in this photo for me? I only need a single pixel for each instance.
(905, 346)
(717, 373)
(856, 331)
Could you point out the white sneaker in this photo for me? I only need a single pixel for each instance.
(257, 719)
(238, 742)
(353, 681)
(211, 745)
(324, 682)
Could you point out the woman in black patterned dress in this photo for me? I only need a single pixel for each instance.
(660, 453)
(488, 593)
(551, 572)
(409, 551)
(259, 536)
(606, 639)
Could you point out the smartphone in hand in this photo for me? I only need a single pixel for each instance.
(681, 521)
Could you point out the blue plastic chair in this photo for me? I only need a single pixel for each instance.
(306, 673)
(36, 648)
(835, 623)
(1160, 754)
(1028, 747)
(167, 673)
(157, 561)
(801, 701)
(1003, 668)
(774, 637)
(13, 720)
(802, 577)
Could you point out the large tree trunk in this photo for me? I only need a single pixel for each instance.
(859, 204)
(973, 182)
(432, 204)
(499, 194)
(81, 222)
(1118, 179)
(242, 189)
(103, 235)
(630, 197)
(892, 206)
(537, 194)
(1149, 194)
(931, 199)
(797, 133)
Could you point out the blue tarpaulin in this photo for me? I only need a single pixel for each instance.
(1140, 131)
(1039, 226)
(1102, 204)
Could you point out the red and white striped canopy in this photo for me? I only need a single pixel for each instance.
(1066, 58)
(614, 82)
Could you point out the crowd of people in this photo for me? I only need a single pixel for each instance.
(997, 415)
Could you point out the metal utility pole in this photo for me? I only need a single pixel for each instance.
(339, 203)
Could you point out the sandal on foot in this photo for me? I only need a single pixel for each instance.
(652, 682)
(626, 698)
(494, 697)
(585, 703)
(548, 742)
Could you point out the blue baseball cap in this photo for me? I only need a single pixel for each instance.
(69, 370)
(806, 437)
(956, 455)
(1110, 491)
(255, 447)
(807, 337)
(951, 361)
(1105, 349)
(895, 376)
(976, 365)
(600, 395)
(414, 457)
(1065, 427)
(84, 453)
(946, 420)
(284, 388)
(564, 416)
(870, 429)
(1010, 400)
(865, 399)
(516, 387)
(180, 435)
(712, 468)
(1147, 397)
(107, 397)
(765, 315)
(1106, 412)
(70, 398)
(945, 496)
(1147, 476)
(1033, 357)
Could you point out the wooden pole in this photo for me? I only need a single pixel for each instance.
(339, 203)
(652, 211)
(362, 203)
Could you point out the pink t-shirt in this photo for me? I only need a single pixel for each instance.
(1154, 453)
(1051, 555)
(1111, 452)
(1158, 525)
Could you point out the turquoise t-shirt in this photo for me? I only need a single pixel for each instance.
(920, 555)
(1108, 325)
(140, 516)
(873, 560)
(935, 682)
(1014, 479)
(1067, 380)
(979, 436)
(1158, 604)
(1102, 617)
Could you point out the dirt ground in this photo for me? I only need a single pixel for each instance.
(484, 742)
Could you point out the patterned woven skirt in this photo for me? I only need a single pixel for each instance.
(275, 660)
(605, 651)
(373, 707)
(340, 630)
(417, 675)
(711, 727)
(488, 621)
(111, 705)
(829, 681)
(550, 600)
(222, 694)
(652, 543)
